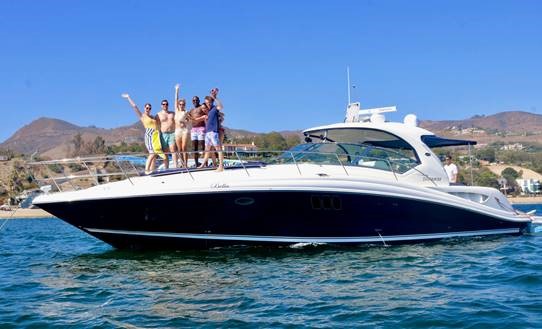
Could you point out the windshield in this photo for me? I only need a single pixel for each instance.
(368, 136)
(347, 154)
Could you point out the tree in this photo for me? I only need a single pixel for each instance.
(510, 173)
(292, 140)
(272, 141)
(486, 178)
(275, 141)
(78, 143)
(8, 153)
(97, 146)
(487, 154)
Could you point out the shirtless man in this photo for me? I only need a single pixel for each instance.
(167, 132)
(197, 133)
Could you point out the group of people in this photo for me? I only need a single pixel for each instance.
(168, 132)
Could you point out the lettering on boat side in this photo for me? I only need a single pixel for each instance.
(218, 185)
(433, 179)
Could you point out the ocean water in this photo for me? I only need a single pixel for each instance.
(52, 275)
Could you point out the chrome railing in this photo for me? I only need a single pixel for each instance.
(82, 172)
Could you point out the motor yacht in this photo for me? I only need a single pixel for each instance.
(364, 180)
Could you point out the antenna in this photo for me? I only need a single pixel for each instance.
(348, 82)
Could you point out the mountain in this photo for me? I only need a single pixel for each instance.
(52, 137)
(511, 122)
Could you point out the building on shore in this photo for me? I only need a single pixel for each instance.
(529, 186)
(239, 147)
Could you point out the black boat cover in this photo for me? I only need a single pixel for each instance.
(436, 141)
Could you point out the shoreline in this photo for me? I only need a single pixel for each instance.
(525, 200)
(23, 213)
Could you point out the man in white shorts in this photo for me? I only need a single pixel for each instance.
(212, 137)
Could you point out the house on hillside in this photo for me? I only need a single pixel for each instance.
(4, 158)
(513, 147)
(529, 186)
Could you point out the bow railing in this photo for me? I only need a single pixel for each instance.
(83, 172)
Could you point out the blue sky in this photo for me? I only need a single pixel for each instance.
(280, 65)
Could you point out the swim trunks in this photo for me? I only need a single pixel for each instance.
(198, 133)
(211, 138)
(167, 139)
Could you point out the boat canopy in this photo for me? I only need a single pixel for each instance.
(435, 141)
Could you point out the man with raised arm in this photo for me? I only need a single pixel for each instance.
(212, 136)
(167, 132)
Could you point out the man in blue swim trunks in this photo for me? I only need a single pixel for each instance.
(167, 132)
(212, 137)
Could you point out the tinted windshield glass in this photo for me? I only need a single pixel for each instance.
(366, 137)
(359, 136)
(350, 155)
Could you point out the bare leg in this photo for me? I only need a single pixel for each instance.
(180, 148)
(213, 157)
(196, 153)
(150, 164)
(220, 159)
(166, 160)
(173, 150)
(202, 147)
(184, 148)
(206, 156)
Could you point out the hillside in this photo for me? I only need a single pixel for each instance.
(511, 122)
(46, 134)
(52, 137)
(527, 173)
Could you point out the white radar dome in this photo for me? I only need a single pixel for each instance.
(411, 120)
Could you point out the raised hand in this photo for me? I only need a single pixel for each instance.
(214, 92)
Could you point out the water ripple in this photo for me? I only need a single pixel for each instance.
(55, 276)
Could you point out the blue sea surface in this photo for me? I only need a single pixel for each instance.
(53, 275)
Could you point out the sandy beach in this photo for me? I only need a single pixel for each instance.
(24, 213)
(525, 200)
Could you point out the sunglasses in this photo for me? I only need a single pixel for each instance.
(165, 104)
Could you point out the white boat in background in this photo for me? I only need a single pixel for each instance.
(365, 180)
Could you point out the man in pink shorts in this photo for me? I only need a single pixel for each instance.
(197, 133)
